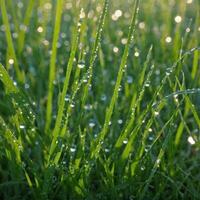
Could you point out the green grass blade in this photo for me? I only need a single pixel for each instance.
(11, 50)
(64, 92)
(95, 50)
(52, 68)
(96, 146)
(26, 22)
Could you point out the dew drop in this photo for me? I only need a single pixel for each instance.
(178, 19)
(150, 129)
(119, 121)
(21, 126)
(191, 140)
(125, 141)
(11, 61)
(147, 84)
(103, 97)
(156, 113)
(73, 149)
(81, 65)
(72, 105)
(107, 150)
(136, 54)
(129, 79)
(168, 39)
(91, 124)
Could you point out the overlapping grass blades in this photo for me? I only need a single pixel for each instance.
(96, 146)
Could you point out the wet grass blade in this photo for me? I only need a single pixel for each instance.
(26, 22)
(95, 51)
(64, 91)
(96, 146)
(11, 50)
(52, 67)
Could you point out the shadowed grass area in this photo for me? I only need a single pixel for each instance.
(99, 99)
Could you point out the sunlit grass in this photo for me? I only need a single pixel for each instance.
(99, 99)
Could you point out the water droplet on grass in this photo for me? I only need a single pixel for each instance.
(178, 19)
(39, 29)
(72, 105)
(150, 130)
(115, 49)
(91, 124)
(191, 140)
(168, 39)
(82, 14)
(103, 97)
(189, 1)
(129, 79)
(22, 126)
(73, 149)
(158, 161)
(125, 141)
(81, 65)
(119, 121)
(107, 150)
(147, 84)
(11, 61)
(187, 29)
(136, 54)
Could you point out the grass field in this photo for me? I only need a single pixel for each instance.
(99, 99)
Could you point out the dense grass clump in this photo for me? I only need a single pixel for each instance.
(99, 99)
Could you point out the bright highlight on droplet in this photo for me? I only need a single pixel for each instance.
(91, 124)
(189, 1)
(141, 25)
(115, 49)
(117, 14)
(191, 140)
(119, 121)
(22, 126)
(11, 61)
(136, 54)
(124, 40)
(47, 6)
(187, 30)
(150, 130)
(168, 39)
(82, 14)
(178, 19)
(39, 29)
(125, 141)
(45, 42)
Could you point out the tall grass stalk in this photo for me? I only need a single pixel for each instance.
(52, 67)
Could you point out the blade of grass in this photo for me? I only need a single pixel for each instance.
(96, 145)
(64, 92)
(26, 22)
(52, 68)
(11, 50)
(95, 50)
(69, 68)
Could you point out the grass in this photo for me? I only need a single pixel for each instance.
(99, 100)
